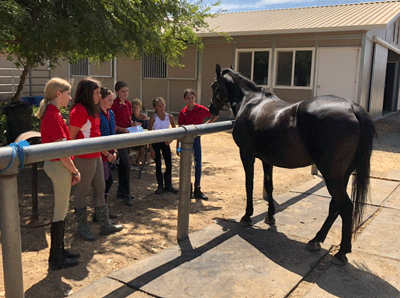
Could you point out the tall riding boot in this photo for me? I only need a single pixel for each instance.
(168, 184)
(198, 194)
(67, 253)
(111, 215)
(57, 260)
(160, 188)
(83, 228)
(106, 226)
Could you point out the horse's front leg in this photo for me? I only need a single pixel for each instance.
(267, 191)
(248, 165)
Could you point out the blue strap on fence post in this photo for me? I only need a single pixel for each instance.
(17, 149)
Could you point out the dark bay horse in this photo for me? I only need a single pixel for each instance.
(333, 133)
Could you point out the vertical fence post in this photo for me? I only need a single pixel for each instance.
(11, 236)
(184, 186)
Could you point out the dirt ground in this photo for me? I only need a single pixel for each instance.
(150, 225)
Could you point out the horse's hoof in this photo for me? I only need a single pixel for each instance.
(339, 259)
(245, 222)
(269, 220)
(313, 246)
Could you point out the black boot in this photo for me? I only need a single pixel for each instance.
(57, 260)
(106, 226)
(160, 188)
(198, 194)
(168, 184)
(67, 253)
(83, 228)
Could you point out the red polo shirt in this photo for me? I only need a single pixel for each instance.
(195, 116)
(89, 125)
(122, 112)
(53, 127)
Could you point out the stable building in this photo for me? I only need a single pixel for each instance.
(348, 50)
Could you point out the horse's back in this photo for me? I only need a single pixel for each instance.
(267, 128)
(330, 129)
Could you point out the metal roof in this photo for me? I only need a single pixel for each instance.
(360, 16)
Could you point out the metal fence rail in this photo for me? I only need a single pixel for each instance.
(9, 212)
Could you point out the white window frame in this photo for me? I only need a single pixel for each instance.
(294, 50)
(252, 50)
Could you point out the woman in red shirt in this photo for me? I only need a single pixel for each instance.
(84, 123)
(62, 172)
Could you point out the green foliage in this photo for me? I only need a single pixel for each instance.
(41, 31)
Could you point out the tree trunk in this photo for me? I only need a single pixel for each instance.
(21, 84)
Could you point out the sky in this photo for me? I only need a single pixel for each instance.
(249, 5)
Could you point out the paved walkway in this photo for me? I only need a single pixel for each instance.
(228, 260)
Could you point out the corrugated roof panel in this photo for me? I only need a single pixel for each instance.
(369, 15)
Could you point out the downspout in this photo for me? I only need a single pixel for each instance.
(199, 75)
(316, 67)
(361, 69)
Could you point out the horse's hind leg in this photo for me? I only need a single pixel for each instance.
(268, 188)
(340, 205)
(315, 243)
(248, 159)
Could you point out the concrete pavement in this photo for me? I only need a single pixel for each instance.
(228, 260)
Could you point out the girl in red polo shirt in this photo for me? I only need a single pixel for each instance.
(84, 123)
(62, 172)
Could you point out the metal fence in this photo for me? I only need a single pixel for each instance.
(34, 83)
(9, 212)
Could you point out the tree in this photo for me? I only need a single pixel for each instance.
(36, 32)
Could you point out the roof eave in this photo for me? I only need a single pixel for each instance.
(294, 31)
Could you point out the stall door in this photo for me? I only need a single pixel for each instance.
(337, 72)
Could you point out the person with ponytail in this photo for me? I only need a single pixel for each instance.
(84, 123)
(62, 171)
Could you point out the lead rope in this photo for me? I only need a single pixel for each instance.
(17, 149)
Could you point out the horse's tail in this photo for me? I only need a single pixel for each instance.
(362, 160)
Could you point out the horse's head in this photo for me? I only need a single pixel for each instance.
(220, 94)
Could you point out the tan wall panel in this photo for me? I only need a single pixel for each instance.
(253, 45)
(221, 53)
(296, 43)
(61, 71)
(129, 71)
(176, 94)
(189, 60)
(153, 88)
(103, 69)
(293, 95)
(353, 42)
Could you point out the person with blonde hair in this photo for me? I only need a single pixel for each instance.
(139, 118)
(162, 120)
(62, 172)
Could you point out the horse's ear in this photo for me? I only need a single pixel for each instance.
(218, 70)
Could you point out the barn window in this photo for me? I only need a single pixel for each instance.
(80, 68)
(154, 66)
(254, 65)
(294, 68)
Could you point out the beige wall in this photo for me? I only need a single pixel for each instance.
(214, 52)
(293, 95)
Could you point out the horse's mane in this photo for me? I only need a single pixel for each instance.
(245, 82)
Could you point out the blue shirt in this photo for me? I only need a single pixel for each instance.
(107, 125)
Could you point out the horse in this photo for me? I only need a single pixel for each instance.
(333, 133)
